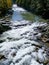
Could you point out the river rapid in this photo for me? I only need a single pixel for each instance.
(21, 45)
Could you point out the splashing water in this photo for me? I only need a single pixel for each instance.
(19, 46)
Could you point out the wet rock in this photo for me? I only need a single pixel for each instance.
(2, 57)
(2, 41)
(35, 33)
(10, 11)
(6, 20)
(44, 30)
(4, 28)
(44, 39)
(39, 36)
(41, 29)
(48, 64)
(2, 19)
(47, 52)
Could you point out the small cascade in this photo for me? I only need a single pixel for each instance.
(20, 45)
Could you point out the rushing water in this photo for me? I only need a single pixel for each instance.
(20, 46)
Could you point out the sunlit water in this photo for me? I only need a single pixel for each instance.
(20, 46)
(16, 16)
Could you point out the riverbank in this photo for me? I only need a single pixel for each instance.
(4, 23)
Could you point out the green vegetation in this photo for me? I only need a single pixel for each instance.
(5, 3)
(32, 17)
(40, 7)
(28, 16)
(4, 6)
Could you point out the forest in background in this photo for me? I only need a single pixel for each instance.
(5, 5)
(39, 7)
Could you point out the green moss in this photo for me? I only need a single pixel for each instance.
(32, 17)
(28, 16)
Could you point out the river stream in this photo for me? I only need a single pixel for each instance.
(20, 44)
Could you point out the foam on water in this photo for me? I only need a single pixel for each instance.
(19, 46)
